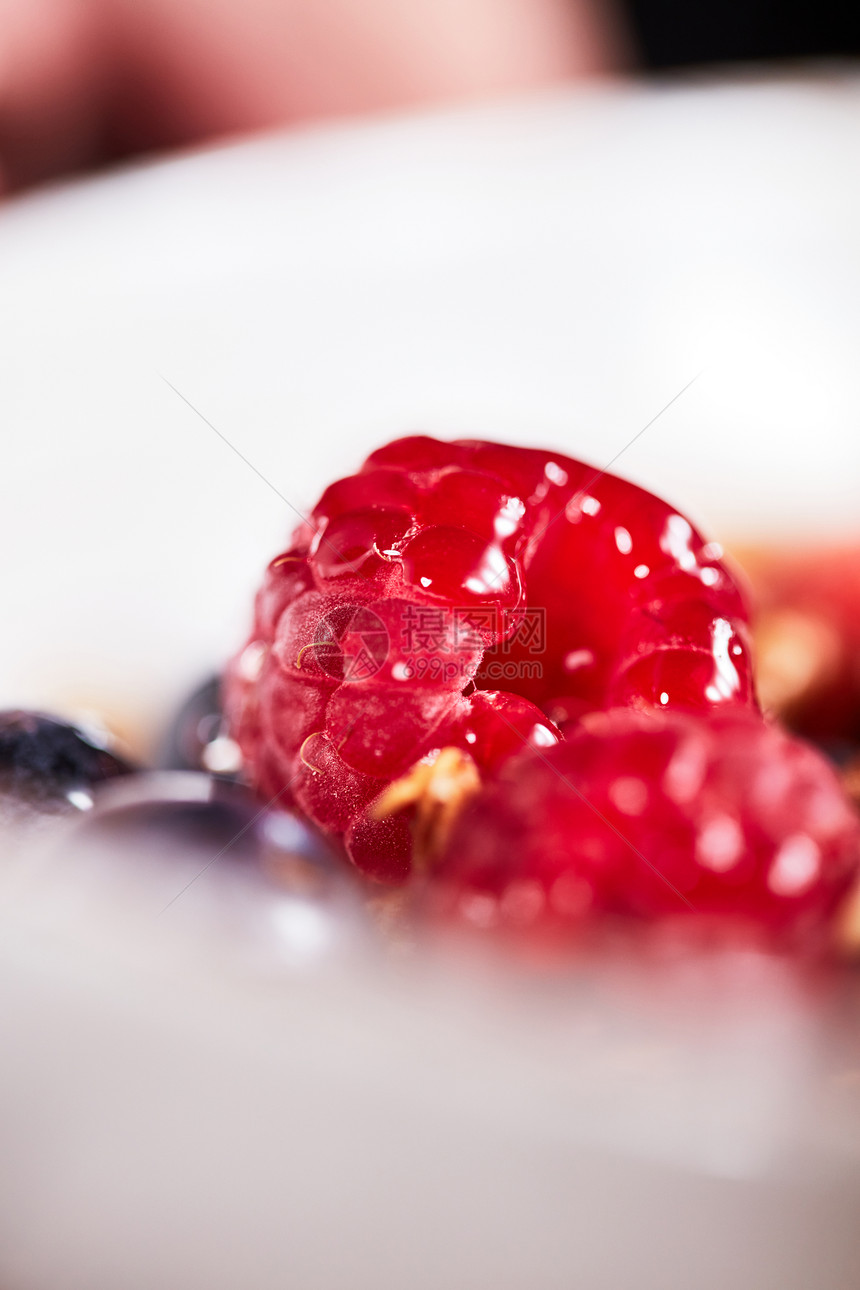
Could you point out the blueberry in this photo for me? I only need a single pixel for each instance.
(175, 812)
(167, 814)
(198, 738)
(48, 764)
(212, 856)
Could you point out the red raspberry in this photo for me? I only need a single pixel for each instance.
(462, 594)
(656, 814)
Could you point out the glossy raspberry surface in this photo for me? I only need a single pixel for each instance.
(654, 815)
(466, 593)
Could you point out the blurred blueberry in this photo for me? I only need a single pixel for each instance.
(215, 858)
(167, 813)
(49, 765)
(198, 737)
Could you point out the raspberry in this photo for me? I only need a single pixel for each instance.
(461, 595)
(656, 814)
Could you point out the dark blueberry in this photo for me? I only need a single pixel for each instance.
(208, 851)
(175, 813)
(167, 814)
(49, 764)
(198, 738)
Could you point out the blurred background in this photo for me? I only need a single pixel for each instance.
(85, 81)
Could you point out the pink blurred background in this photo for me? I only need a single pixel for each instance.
(85, 80)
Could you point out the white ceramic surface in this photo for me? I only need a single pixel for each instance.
(172, 1111)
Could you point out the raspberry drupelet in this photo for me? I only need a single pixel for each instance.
(474, 596)
(655, 815)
